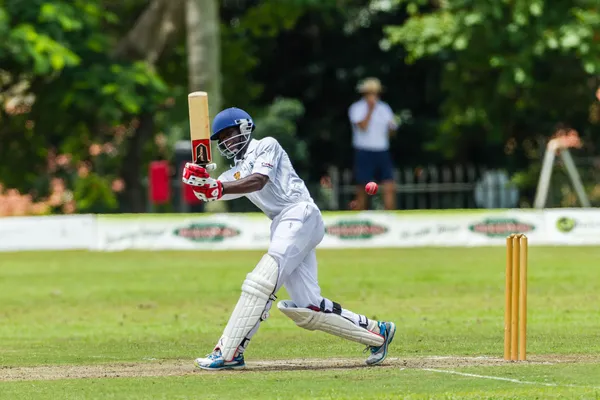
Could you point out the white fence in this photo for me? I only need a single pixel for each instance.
(427, 187)
(343, 230)
(434, 187)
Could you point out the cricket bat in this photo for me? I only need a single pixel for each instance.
(200, 129)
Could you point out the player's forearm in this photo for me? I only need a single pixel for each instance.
(365, 122)
(249, 184)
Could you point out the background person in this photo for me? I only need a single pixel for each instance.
(372, 125)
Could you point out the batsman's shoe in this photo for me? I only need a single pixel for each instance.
(379, 353)
(215, 361)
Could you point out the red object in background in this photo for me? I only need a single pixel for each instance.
(159, 182)
(188, 194)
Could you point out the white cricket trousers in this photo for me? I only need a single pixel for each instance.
(295, 233)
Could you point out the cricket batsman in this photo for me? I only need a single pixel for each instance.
(262, 172)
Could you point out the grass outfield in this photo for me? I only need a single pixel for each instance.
(131, 323)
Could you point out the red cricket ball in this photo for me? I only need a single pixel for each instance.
(371, 188)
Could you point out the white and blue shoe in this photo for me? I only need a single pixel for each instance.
(215, 361)
(379, 353)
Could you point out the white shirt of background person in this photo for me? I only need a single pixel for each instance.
(373, 122)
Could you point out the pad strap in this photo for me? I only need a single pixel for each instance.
(330, 322)
(328, 306)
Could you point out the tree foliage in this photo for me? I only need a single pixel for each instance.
(280, 121)
(91, 90)
(511, 69)
(63, 94)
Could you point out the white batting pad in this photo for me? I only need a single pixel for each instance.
(252, 307)
(331, 323)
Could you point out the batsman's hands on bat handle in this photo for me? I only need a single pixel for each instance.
(205, 187)
(197, 175)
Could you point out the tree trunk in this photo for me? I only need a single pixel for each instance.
(204, 62)
(131, 170)
(204, 50)
(153, 30)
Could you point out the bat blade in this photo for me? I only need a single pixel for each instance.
(199, 127)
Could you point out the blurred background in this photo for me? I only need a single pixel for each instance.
(93, 97)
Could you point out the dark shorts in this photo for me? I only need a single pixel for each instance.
(372, 166)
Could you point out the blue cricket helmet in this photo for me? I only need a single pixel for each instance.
(228, 118)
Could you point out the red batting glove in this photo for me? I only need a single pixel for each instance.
(210, 192)
(205, 187)
(195, 175)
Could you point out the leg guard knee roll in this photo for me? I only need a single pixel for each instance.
(257, 285)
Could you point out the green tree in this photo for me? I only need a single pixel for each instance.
(320, 60)
(512, 70)
(66, 91)
(104, 84)
(280, 121)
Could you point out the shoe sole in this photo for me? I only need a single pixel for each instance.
(220, 368)
(388, 342)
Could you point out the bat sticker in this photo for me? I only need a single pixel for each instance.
(201, 154)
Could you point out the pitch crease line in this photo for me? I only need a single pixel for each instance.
(500, 378)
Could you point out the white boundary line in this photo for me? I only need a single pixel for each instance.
(500, 378)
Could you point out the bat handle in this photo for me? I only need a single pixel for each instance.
(210, 167)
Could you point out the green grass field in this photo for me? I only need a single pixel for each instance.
(128, 325)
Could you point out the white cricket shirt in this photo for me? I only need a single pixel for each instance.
(376, 136)
(285, 188)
